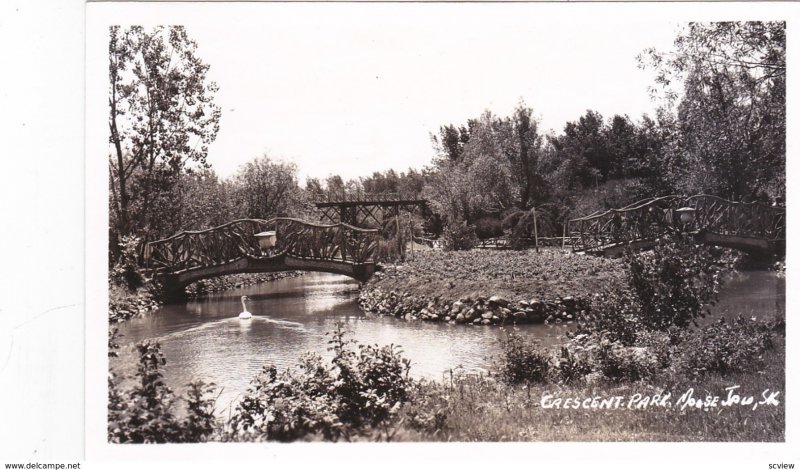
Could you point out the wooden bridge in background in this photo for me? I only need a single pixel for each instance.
(255, 245)
(754, 228)
(367, 210)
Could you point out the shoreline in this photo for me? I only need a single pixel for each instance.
(481, 310)
(490, 287)
(214, 285)
(484, 407)
(124, 304)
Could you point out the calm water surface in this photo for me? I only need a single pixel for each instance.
(205, 339)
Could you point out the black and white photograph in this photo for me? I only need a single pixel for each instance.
(405, 233)
(421, 223)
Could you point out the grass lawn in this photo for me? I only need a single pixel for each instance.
(474, 408)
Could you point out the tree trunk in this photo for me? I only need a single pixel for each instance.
(122, 187)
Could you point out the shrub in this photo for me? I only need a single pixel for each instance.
(388, 251)
(723, 347)
(200, 422)
(361, 390)
(287, 407)
(624, 363)
(662, 345)
(429, 408)
(523, 361)
(572, 364)
(459, 236)
(124, 303)
(113, 334)
(667, 288)
(615, 314)
(146, 413)
(116, 411)
(373, 383)
(674, 281)
(488, 227)
(125, 270)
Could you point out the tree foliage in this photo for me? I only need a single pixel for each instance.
(487, 167)
(720, 129)
(503, 167)
(267, 188)
(161, 118)
(725, 83)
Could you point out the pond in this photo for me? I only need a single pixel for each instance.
(204, 339)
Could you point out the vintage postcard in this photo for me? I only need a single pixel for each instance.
(470, 223)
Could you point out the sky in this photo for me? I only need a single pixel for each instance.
(352, 88)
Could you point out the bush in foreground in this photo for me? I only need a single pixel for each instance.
(724, 348)
(364, 392)
(147, 413)
(523, 361)
(666, 288)
(479, 408)
(721, 348)
(675, 281)
(360, 391)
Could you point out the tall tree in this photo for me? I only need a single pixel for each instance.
(198, 201)
(624, 153)
(490, 166)
(334, 186)
(451, 192)
(266, 189)
(730, 106)
(524, 152)
(314, 188)
(485, 158)
(161, 118)
(584, 142)
(450, 141)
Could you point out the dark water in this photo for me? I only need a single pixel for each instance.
(206, 340)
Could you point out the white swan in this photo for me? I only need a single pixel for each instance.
(245, 315)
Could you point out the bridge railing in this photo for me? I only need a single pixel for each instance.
(335, 242)
(648, 219)
(234, 240)
(359, 196)
(743, 219)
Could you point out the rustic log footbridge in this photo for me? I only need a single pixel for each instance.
(256, 246)
(754, 228)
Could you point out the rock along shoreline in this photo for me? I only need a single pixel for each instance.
(471, 310)
(232, 281)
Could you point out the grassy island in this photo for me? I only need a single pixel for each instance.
(491, 287)
(515, 275)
